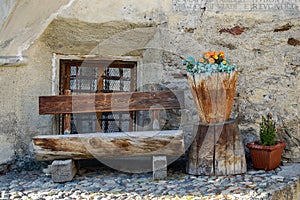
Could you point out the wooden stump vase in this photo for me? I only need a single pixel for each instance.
(213, 95)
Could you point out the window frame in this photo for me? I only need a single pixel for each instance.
(56, 82)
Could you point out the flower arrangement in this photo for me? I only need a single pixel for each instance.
(209, 62)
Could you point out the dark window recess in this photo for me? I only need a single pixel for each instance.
(99, 76)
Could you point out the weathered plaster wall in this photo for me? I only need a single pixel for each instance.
(8, 125)
(24, 21)
(265, 45)
(5, 9)
(20, 88)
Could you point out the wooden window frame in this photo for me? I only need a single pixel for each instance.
(90, 61)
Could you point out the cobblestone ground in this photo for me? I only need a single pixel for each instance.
(105, 183)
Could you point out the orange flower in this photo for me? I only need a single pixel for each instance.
(211, 60)
(201, 60)
(221, 53)
(210, 53)
(216, 57)
(207, 56)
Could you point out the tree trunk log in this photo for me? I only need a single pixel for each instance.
(108, 145)
(217, 149)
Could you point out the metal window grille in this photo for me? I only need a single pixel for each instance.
(96, 76)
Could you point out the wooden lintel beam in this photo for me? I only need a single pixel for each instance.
(111, 102)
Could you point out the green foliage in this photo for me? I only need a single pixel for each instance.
(267, 131)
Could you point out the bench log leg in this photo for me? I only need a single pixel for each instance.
(159, 167)
(63, 170)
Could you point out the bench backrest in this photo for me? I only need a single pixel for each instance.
(110, 102)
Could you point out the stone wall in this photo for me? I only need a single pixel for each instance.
(261, 36)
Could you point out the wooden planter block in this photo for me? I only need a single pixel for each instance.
(216, 150)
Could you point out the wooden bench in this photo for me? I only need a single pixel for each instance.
(64, 149)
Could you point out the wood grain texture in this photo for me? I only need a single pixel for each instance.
(202, 152)
(67, 117)
(110, 102)
(213, 95)
(216, 150)
(108, 145)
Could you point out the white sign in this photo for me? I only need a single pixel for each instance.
(194, 6)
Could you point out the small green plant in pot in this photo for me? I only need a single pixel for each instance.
(266, 154)
(267, 131)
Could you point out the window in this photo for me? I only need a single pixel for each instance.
(99, 76)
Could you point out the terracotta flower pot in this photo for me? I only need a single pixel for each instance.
(266, 157)
(213, 95)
